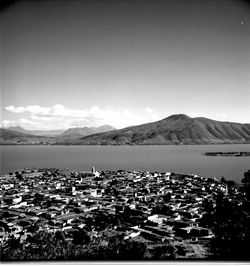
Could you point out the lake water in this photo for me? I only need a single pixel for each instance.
(172, 158)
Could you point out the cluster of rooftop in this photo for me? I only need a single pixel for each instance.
(152, 207)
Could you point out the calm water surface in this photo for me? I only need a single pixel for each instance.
(178, 159)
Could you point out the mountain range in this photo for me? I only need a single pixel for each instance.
(19, 135)
(85, 131)
(55, 132)
(15, 137)
(176, 129)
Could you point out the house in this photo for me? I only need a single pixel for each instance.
(199, 231)
(183, 232)
(68, 217)
(132, 235)
(156, 218)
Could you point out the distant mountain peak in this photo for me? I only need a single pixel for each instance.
(178, 116)
(36, 132)
(17, 129)
(85, 131)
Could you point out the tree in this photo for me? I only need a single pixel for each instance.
(223, 180)
(120, 249)
(13, 242)
(134, 250)
(115, 246)
(232, 231)
(38, 197)
(246, 178)
(80, 237)
(164, 252)
(60, 236)
(246, 182)
(33, 228)
(19, 176)
(208, 205)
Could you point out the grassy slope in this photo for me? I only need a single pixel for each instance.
(175, 129)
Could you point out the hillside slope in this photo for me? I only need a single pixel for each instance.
(85, 131)
(14, 137)
(52, 133)
(175, 129)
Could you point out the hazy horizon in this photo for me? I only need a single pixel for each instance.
(122, 63)
(65, 128)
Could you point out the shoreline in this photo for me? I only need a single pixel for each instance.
(172, 144)
(228, 154)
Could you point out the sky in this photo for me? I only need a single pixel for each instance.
(122, 62)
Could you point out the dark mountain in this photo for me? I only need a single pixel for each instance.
(85, 131)
(175, 129)
(55, 132)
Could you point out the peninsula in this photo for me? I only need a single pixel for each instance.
(230, 154)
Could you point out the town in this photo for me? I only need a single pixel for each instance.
(148, 207)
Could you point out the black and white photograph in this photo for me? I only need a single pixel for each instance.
(125, 131)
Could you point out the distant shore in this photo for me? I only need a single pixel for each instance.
(230, 154)
(125, 144)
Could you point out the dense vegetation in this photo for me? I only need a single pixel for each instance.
(55, 246)
(230, 222)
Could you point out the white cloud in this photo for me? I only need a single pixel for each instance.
(59, 116)
(14, 109)
(26, 123)
(8, 123)
(57, 110)
(34, 109)
(149, 110)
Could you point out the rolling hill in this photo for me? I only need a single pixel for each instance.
(55, 132)
(14, 137)
(85, 131)
(175, 129)
(19, 135)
